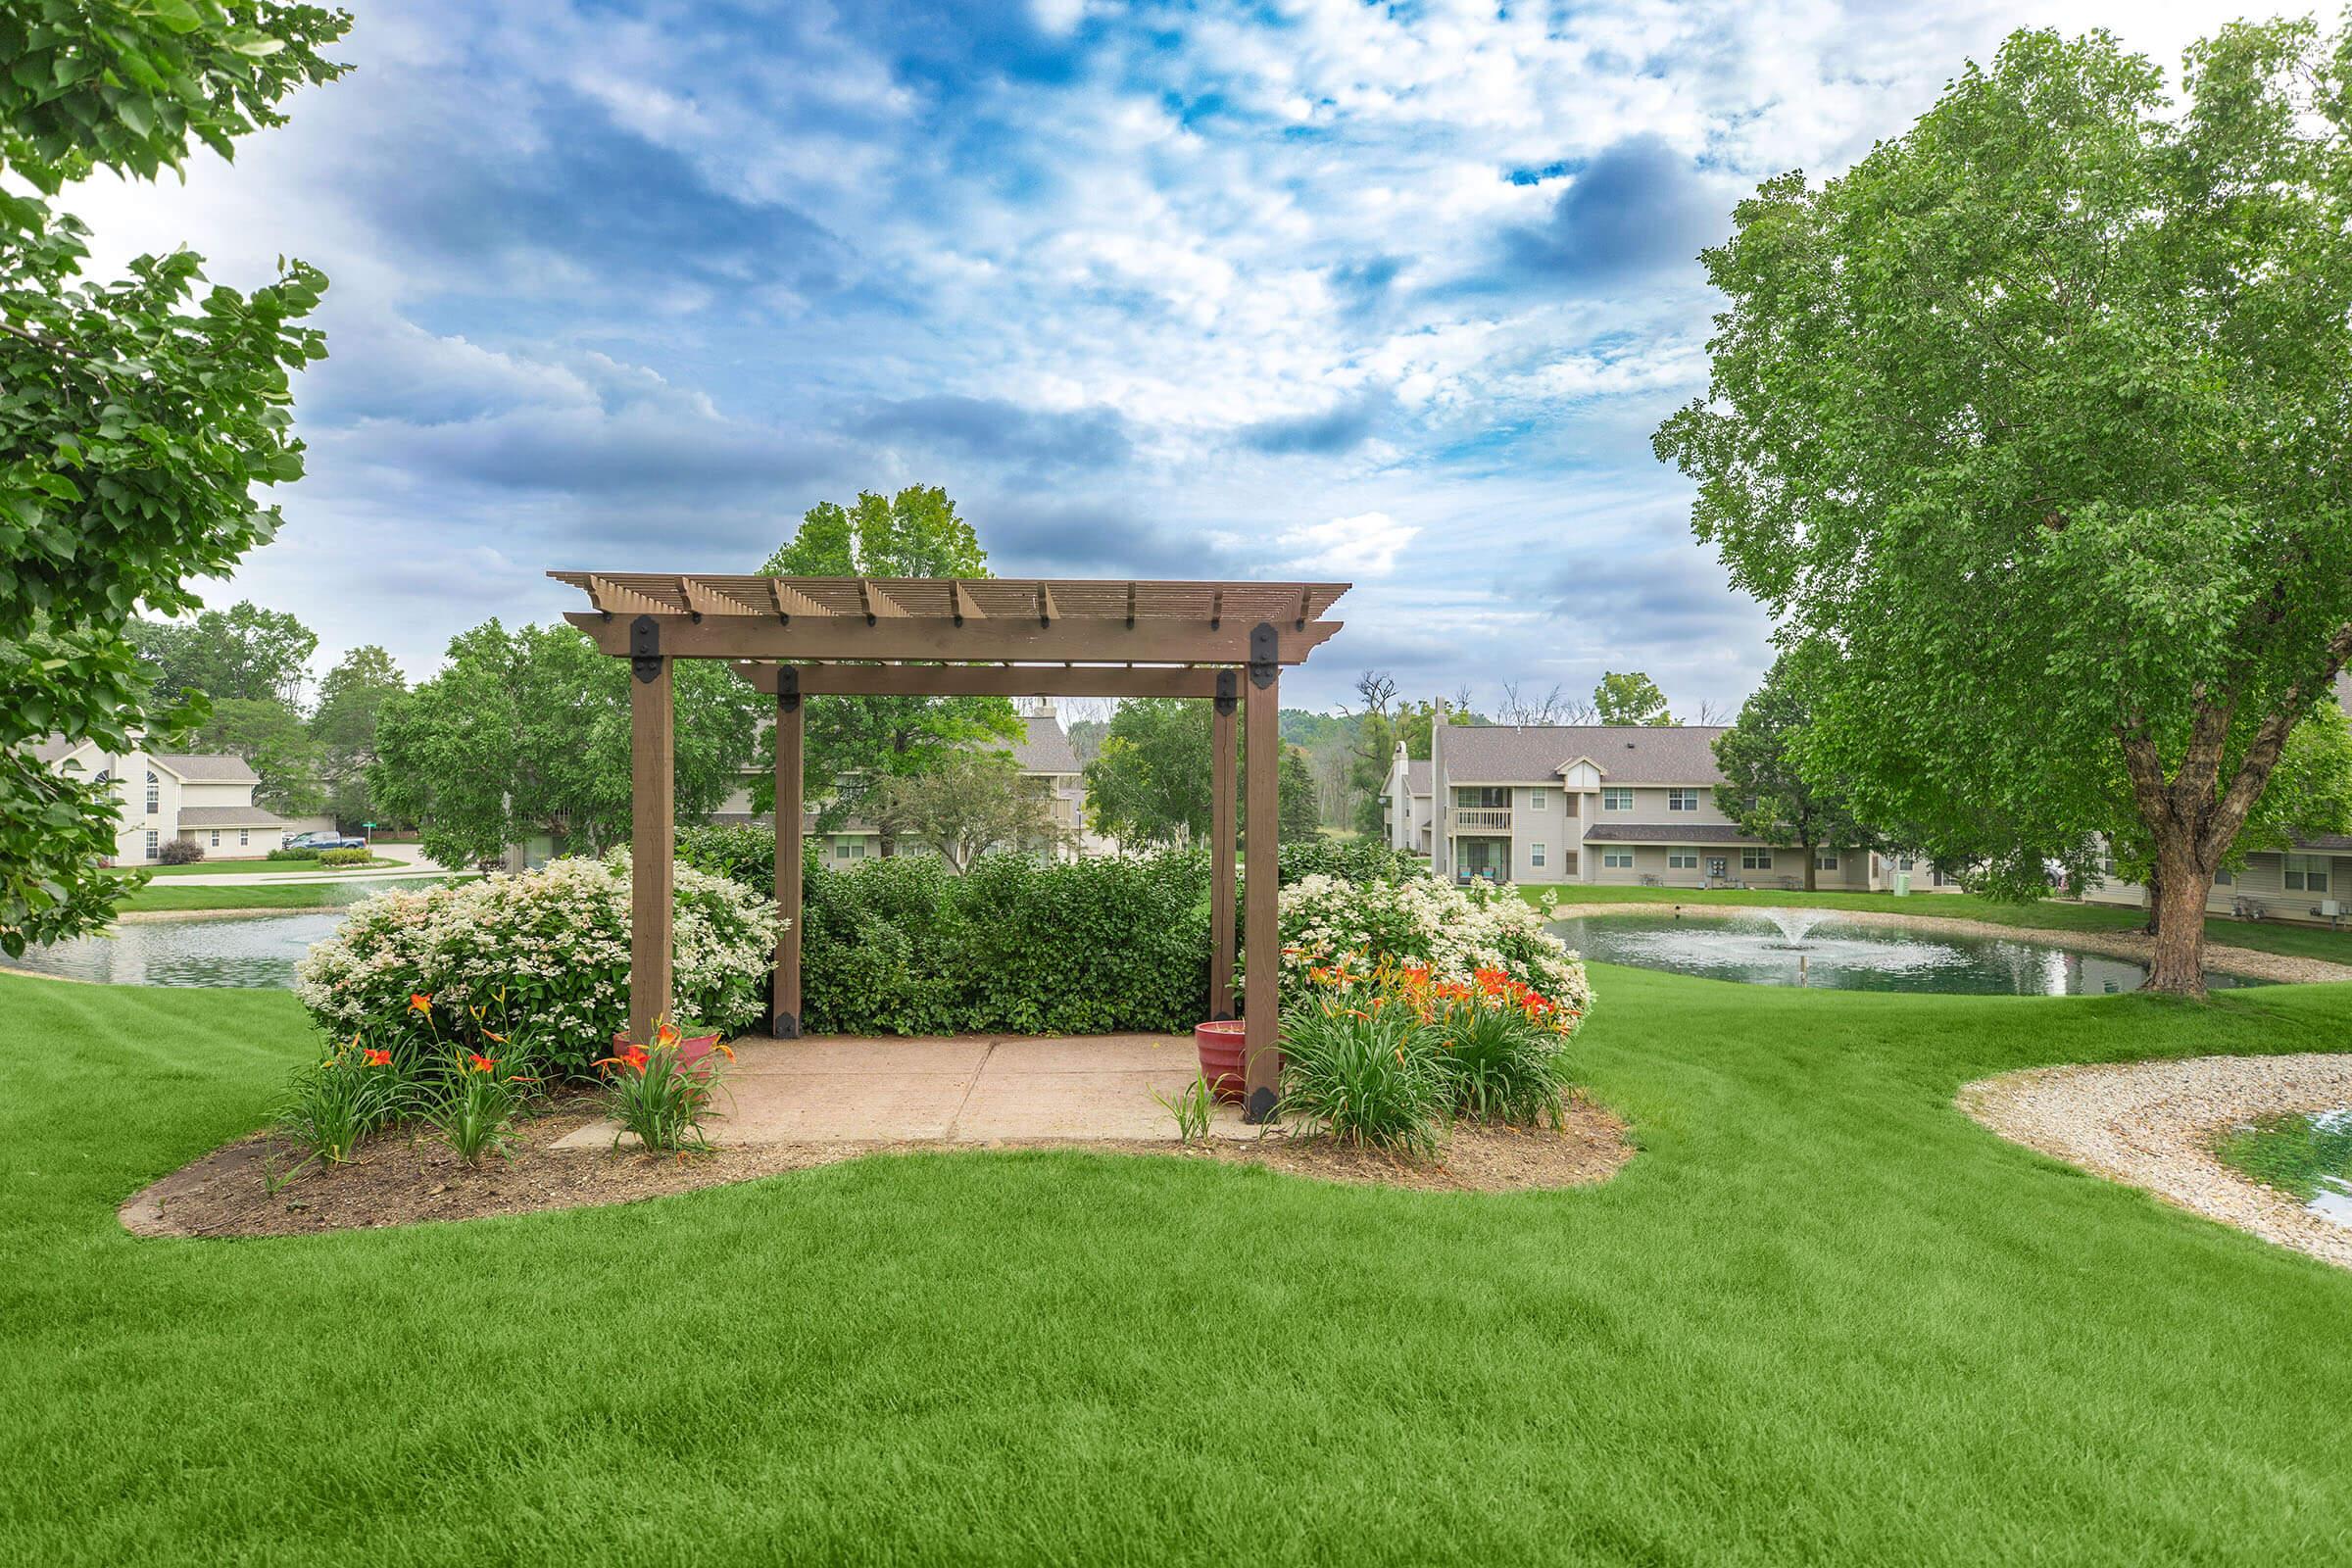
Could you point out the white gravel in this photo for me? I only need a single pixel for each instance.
(2152, 1124)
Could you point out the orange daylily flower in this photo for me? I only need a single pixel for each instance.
(377, 1059)
(479, 1062)
(420, 1002)
(665, 1034)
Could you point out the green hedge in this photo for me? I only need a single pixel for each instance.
(904, 946)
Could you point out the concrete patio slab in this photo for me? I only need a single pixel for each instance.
(962, 1090)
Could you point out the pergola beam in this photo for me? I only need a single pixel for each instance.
(982, 680)
(1078, 639)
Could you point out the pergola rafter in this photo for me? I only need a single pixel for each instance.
(798, 637)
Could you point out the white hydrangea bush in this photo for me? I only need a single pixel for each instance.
(547, 951)
(1457, 931)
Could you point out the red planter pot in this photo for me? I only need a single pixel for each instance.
(1221, 1044)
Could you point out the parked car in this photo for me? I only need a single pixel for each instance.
(322, 841)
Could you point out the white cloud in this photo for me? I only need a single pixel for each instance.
(1366, 545)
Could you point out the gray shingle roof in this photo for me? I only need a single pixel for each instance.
(1416, 776)
(1046, 747)
(1625, 754)
(195, 767)
(1666, 833)
(229, 816)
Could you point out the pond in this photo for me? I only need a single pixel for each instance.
(1812, 948)
(229, 949)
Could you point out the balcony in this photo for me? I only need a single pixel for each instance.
(1482, 820)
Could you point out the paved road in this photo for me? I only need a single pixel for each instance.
(411, 858)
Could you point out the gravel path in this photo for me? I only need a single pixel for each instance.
(2245, 961)
(2152, 1124)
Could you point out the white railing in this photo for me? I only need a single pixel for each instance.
(1493, 818)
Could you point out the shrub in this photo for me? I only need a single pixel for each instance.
(1502, 1047)
(651, 1093)
(904, 946)
(344, 856)
(549, 947)
(1451, 931)
(474, 1106)
(1359, 860)
(300, 853)
(179, 851)
(330, 1106)
(1364, 1069)
(740, 853)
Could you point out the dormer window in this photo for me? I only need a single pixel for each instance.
(155, 793)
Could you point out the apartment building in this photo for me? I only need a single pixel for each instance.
(204, 798)
(1630, 804)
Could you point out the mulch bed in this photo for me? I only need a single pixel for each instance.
(404, 1178)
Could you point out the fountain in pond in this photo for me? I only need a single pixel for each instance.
(1796, 924)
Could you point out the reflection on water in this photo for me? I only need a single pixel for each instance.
(237, 949)
(2333, 1200)
(1765, 947)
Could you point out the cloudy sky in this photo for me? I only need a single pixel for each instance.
(1390, 293)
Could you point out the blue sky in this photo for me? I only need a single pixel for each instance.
(1393, 293)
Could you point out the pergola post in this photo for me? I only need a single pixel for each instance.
(1262, 1065)
(653, 828)
(785, 1020)
(1221, 844)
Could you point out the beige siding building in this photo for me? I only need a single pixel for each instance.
(205, 798)
(1600, 804)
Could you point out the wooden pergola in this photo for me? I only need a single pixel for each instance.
(799, 637)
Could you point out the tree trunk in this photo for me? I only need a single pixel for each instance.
(2177, 894)
(1812, 868)
(2155, 896)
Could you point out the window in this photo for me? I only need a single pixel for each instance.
(1479, 796)
(1682, 860)
(1825, 861)
(1617, 859)
(215, 838)
(1614, 798)
(1754, 859)
(1535, 852)
(1535, 800)
(155, 793)
(1682, 800)
(1906, 864)
(241, 840)
(150, 838)
(2307, 873)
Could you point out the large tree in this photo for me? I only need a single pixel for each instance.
(2042, 414)
(527, 732)
(972, 802)
(275, 741)
(1298, 813)
(243, 651)
(1767, 788)
(853, 744)
(1629, 696)
(351, 704)
(1152, 782)
(135, 418)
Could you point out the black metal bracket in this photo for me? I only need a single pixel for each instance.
(788, 689)
(1229, 690)
(784, 1026)
(1265, 654)
(645, 648)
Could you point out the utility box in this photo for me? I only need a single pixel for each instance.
(1903, 883)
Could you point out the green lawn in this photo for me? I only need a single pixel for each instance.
(1822, 1318)
(263, 896)
(2050, 914)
